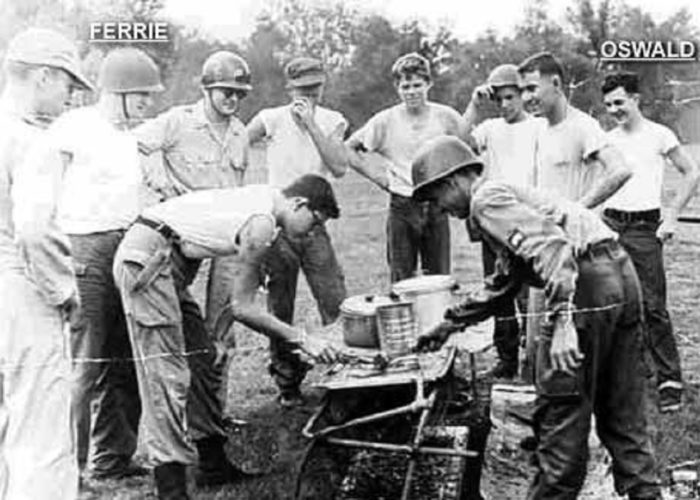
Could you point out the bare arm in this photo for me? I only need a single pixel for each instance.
(691, 177)
(256, 130)
(617, 172)
(330, 147)
(372, 165)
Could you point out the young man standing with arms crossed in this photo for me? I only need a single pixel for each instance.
(301, 137)
(392, 138)
(507, 145)
(634, 212)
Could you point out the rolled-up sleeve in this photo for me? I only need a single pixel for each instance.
(44, 249)
(532, 236)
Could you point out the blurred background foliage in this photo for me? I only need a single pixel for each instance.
(359, 47)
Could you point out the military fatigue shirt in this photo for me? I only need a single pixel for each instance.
(195, 156)
(538, 240)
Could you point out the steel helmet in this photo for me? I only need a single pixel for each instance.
(505, 75)
(129, 70)
(47, 47)
(438, 158)
(226, 69)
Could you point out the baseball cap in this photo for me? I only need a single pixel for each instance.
(304, 72)
(46, 47)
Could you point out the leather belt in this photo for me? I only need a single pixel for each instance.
(161, 227)
(652, 215)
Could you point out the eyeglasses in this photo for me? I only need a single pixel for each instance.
(228, 92)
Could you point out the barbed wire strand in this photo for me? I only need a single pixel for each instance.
(249, 350)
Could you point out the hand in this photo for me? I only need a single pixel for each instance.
(70, 309)
(667, 229)
(433, 339)
(302, 112)
(482, 94)
(564, 352)
(319, 350)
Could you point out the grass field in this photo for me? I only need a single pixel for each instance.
(271, 442)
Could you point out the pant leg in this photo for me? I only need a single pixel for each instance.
(402, 237)
(106, 393)
(36, 428)
(562, 425)
(621, 398)
(324, 274)
(220, 283)
(282, 264)
(646, 250)
(154, 319)
(204, 402)
(506, 332)
(435, 240)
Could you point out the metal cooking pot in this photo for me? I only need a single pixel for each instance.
(431, 296)
(359, 314)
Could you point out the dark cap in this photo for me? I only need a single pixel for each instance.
(304, 72)
(317, 191)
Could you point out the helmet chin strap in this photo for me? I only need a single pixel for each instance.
(125, 111)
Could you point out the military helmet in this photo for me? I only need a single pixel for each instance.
(45, 47)
(127, 70)
(505, 75)
(225, 69)
(437, 159)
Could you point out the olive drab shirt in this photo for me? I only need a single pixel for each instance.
(537, 239)
(195, 156)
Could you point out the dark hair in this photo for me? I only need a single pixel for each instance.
(411, 64)
(545, 63)
(318, 191)
(625, 79)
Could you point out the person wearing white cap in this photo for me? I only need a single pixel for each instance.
(38, 290)
(102, 193)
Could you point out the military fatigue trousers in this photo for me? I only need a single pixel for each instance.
(176, 361)
(610, 384)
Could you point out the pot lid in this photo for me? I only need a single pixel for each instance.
(365, 305)
(424, 284)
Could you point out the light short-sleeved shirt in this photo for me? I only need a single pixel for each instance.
(565, 154)
(102, 184)
(291, 151)
(508, 149)
(393, 134)
(30, 240)
(195, 156)
(213, 218)
(645, 149)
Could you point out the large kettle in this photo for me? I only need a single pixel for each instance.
(431, 295)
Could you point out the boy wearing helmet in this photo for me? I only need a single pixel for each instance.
(393, 136)
(101, 196)
(38, 292)
(507, 145)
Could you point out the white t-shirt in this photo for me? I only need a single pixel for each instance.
(291, 151)
(212, 218)
(103, 183)
(396, 137)
(508, 149)
(565, 152)
(645, 150)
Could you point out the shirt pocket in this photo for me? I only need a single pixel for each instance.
(157, 303)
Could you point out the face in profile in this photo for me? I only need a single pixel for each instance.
(449, 198)
(301, 219)
(540, 92)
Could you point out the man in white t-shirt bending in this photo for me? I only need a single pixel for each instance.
(635, 213)
(507, 145)
(302, 138)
